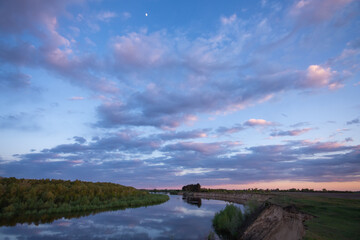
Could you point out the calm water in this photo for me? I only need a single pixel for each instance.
(175, 219)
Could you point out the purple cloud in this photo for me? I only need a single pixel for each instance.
(308, 12)
(186, 161)
(201, 63)
(295, 132)
(354, 121)
(80, 140)
(203, 148)
(55, 52)
(14, 80)
(231, 130)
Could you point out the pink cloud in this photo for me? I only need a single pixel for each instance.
(317, 76)
(331, 146)
(258, 122)
(335, 85)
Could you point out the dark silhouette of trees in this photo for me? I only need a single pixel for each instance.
(192, 188)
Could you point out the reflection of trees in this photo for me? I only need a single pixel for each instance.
(49, 218)
(192, 200)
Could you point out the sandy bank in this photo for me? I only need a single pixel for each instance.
(273, 222)
(269, 222)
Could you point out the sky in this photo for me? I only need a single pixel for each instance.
(160, 94)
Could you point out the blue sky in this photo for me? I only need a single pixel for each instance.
(167, 93)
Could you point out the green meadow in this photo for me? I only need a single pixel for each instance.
(334, 217)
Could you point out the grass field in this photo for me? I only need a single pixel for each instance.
(336, 217)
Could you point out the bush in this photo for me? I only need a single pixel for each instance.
(251, 207)
(228, 221)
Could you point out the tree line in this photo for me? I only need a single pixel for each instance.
(30, 196)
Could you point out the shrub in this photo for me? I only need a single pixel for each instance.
(228, 221)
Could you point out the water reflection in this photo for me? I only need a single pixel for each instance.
(192, 200)
(175, 219)
(49, 218)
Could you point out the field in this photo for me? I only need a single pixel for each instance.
(336, 215)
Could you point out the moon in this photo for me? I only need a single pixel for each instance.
(146, 14)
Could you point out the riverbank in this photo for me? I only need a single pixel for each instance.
(270, 222)
(335, 215)
(20, 198)
(241, 198)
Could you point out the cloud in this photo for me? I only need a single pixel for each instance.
(354, 121)
(141, 50)
(14, 80)
(80, 140)
(202, 74)
(228, 20)
(126, 15)
(317, 76)
(53, 51)
(106, 16)
(20, 54)
(307, 12)
(117, 114)
(258, 122)
(21, 121)
(295, 132)
(203, 148)
(231, 130)
(19, 16)
(300, 124)
(116, 158)
(167, 136)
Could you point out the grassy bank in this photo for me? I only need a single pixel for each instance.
(335, 218)
(27, 197)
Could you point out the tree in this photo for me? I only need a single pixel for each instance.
(192, 188)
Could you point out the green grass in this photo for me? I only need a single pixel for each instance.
(227, 222)
(335, 218)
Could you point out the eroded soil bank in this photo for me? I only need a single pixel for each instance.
(269, 222)
(273, 222)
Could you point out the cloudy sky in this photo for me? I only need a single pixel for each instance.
(166, 93)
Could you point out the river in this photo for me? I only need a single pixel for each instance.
(175, 219)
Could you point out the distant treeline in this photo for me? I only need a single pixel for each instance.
(256, 190)
(197, 188)
(37, 197)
